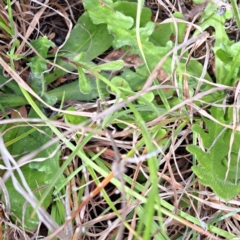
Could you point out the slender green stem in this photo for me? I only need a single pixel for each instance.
(236, 12)
(138, 18)
(11, 18)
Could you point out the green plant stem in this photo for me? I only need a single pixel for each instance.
(138, 17)
(11, 18)
(236, 12)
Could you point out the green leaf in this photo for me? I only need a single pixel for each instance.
(135, 80)
(213, 159)
(41, 45)
(49, 99)
(153, 54)
(72, 91)
(11, 95)
(110, 66)
(120, 83)
(85, 37)
(128, 37)
(12, 100)
(106, 14)
(79, 57)
(234, 49)
(148, 96)
(194, 68)
(5, 27)
(73, 119)
(159, 133)
(38, 65)
(118, 24)
(130, 9)
(223, 56)
(84, 84)
(210, 18)
(161, 34)
(9, 87)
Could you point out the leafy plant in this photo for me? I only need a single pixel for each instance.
(211, 19)
(84, 38)
(91, 36)
(216, 169)
(39, 173)
(38, 64)
(219, 159)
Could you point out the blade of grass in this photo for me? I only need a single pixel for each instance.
(138, 18)
(11, 18)
(22, 136)
(236, 12)
(5, 28)
(153, 168)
